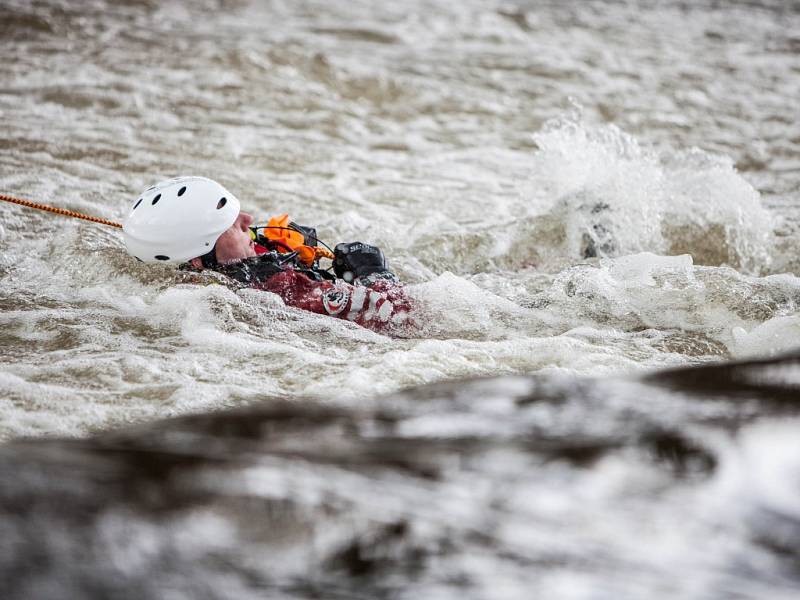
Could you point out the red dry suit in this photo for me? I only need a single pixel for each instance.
(381, 306)
(377, 303)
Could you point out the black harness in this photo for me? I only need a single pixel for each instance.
(257, 269)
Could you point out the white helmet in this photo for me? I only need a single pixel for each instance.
(178, 219)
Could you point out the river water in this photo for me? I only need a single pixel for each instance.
(578, 195)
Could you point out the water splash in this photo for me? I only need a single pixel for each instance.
(615, 197)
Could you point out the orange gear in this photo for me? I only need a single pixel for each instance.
(279, 232)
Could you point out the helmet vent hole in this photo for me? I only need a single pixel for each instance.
(156, 199)
(181, 191)
(161, 257)
(138, 202)
(222, 202)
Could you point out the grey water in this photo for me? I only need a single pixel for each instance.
(682, 484)
(595, 208)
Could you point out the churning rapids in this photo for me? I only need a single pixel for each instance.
(595, 206)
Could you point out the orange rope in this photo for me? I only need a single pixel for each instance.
(58, 211)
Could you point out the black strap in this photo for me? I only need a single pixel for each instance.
(209, 259)
(257, 269)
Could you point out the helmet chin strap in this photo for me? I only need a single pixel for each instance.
(209, 259)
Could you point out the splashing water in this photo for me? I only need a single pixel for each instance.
(614, 198)
(575, 251)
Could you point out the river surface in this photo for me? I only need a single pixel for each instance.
(578, 195)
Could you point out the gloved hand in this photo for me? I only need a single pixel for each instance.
(356, 260)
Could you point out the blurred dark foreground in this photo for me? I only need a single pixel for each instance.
(684, 483)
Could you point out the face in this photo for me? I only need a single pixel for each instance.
(235, 243)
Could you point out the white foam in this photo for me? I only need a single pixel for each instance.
(774, 336)
(762, 470)
(616, 198)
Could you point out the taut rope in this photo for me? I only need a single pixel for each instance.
(58, 211)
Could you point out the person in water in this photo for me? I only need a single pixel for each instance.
(196, 222)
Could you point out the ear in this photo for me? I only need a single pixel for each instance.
(197, 264)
